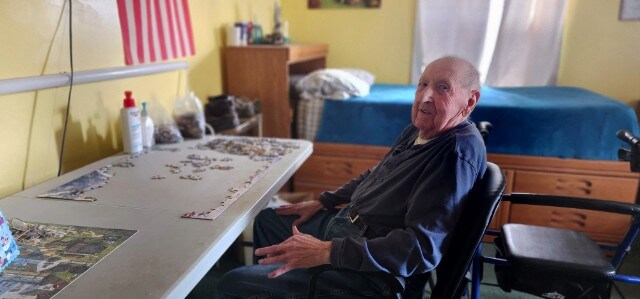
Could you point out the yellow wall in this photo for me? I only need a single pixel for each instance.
(378, 40)
(600, 52)
(34, 39)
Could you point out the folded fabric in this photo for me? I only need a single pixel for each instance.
(361, 74)
(332, 84)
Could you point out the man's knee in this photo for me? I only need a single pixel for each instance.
(245, 281)
(265, 216)
(232, 282)
(266, 223)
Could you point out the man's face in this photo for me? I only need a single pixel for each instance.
(440, 100)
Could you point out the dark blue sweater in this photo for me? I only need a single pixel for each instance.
(411, 201)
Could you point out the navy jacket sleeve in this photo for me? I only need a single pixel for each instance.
(433, 209)
(330, 199)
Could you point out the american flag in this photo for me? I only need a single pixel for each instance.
(154, 30)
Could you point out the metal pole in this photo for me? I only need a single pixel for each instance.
(26, 84)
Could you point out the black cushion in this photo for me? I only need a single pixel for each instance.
(554, 249)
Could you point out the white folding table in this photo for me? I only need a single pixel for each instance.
(168, 255)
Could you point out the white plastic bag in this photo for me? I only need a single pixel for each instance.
(189, 116)
(166, 130)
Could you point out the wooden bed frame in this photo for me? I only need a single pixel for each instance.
(262, 72)
(332, 164)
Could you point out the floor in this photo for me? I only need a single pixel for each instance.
(233, 257)
(206, 287)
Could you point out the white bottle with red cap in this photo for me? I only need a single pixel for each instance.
(131, 127)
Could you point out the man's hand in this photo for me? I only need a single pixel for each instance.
(304, 209)
(299, 251)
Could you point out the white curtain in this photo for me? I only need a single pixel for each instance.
(512, 42)
(527, 52)
(448, 27)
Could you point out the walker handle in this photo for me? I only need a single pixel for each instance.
(630, 155)
(627, 137)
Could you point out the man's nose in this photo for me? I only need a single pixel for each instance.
(426, 96)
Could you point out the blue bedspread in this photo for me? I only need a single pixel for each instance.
(565, 122)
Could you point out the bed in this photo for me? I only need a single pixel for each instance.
(554, 140)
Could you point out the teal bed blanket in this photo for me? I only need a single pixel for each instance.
(564, 122)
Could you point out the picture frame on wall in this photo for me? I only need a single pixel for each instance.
(317, 4)
(629, 10)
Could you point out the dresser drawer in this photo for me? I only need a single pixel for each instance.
(332, 171)
(611, 188)
(315, 189)
(601, 226)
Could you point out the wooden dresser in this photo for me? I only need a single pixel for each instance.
(331, 165)
(262, 72)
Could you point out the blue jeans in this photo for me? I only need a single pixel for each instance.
(270, 229)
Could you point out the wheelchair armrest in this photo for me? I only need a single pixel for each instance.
(573, 202)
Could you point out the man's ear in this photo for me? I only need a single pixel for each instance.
(472, 101)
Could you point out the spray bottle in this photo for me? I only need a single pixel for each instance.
(148, 128)
(131, 129)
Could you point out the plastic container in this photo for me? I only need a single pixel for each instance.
(166, 130)
(148, 128)
(131, 127)
(189, 116)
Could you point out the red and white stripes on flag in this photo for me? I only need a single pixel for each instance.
(154, 30)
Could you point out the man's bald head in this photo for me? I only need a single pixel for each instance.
(469, 76)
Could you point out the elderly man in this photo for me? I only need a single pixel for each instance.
(398, 215)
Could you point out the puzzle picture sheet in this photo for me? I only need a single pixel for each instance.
(52, 256)
(196, 180)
